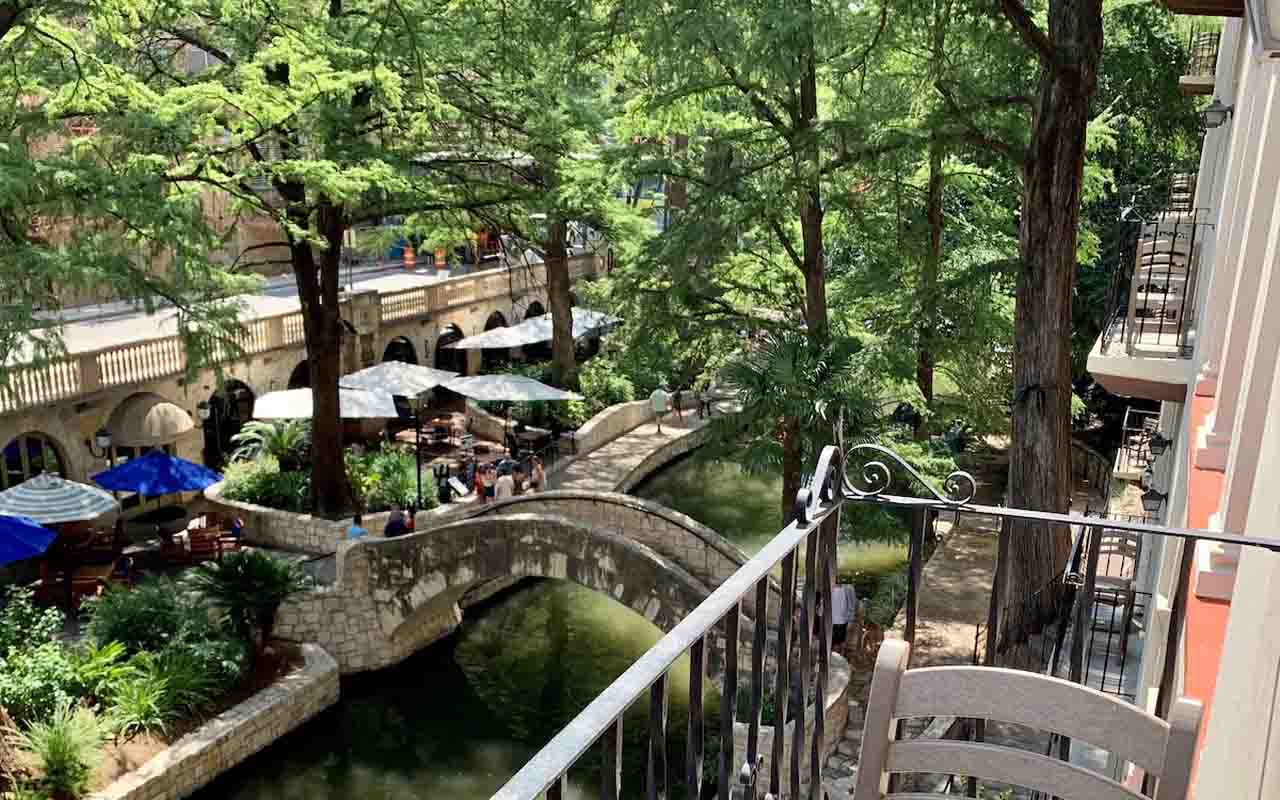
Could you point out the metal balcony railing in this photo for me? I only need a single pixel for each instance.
(1136, 432)
(1202, 53)
(1151, 303)
(718, 623)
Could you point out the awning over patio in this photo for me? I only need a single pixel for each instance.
(156, 474)
(535, 330)
(299, 404)
(397, 378)
(509, 388)
(49, 500)
(147, 420)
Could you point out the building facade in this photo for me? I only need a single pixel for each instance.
(1197, 328)
(129, 376)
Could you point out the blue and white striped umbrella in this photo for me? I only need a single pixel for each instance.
(48, 499)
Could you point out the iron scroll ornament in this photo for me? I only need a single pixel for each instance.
(831, 475)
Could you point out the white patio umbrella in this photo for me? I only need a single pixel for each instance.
(397, 378)
(532, 331)
(49, 500)
(299, 404)
(510, 388)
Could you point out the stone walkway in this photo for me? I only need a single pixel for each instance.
(604, 469)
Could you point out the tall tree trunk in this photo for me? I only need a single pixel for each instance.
(1040, 456)
(929, 284)
(677, 188)
(813, 257)
(564, 372)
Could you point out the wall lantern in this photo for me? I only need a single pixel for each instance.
(1152, 501)
(1264, 19)
(203, 411)
(100, 445)
(1215, 115)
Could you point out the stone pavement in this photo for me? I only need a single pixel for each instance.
(605, 469)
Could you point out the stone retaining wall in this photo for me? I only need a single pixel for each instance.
(234, 735)
(836, 708)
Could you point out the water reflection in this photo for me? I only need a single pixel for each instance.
(457, 720)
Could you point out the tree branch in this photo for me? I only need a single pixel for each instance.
(1031, 34)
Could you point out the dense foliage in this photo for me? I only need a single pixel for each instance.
(378, 478)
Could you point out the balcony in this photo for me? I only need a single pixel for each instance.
(1202, 63)
(1149, 335)
(1135, 452)
(1091, 624)
(1206, 8)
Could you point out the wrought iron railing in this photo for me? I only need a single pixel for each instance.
(1151, 303)
(1202, 52)
(742, 773)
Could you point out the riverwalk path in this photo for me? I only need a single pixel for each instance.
(606, 468)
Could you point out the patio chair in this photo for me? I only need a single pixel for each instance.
(206, 545)
(1164, 750)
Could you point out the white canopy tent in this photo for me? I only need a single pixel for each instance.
(397, 378)
(532, 331)
(509, 388)
(299, 404)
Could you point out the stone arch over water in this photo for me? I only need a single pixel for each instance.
(395, 596)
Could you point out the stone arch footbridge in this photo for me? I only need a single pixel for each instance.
(393, 597)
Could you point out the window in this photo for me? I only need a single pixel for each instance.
(28, 455)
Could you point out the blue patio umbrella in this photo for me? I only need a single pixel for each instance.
(157, 473)
(22, 537)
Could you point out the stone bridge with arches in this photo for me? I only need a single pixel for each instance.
(393, 597)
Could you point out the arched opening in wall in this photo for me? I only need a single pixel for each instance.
(539, 351)
(400, 349)
(229, 409)
(447, 357)
(300, 378)
(492, 359)
(28, 455)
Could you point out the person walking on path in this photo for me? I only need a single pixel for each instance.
(844, 602)
(661, 404)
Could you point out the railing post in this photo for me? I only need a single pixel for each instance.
(919, 522)
(657, 773)
(728, 701)
(90, 374)
(806, 656)
(611, 771)
(782, 684)
(694, 745)
(828, 532)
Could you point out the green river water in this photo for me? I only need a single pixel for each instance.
(458, 719)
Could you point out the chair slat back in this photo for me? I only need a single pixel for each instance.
(1006, 765)
(1037, 701)
(1162, 749)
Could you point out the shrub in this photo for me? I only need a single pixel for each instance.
(381, 477)
(64, 746)
(23, 625)
(249, 587)
(142, 703)
(287, 441)
(603, 384)
(99, 669)
(151, 616)
(262, 482)
(35, 682)
(196, 674)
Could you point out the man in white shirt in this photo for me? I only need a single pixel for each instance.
(504, 487)
(844, 604)
(660, 405)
